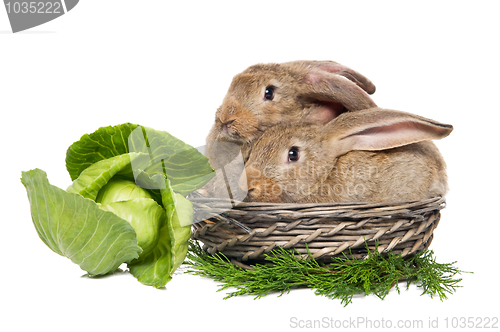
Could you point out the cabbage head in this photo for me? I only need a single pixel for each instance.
(127, 202)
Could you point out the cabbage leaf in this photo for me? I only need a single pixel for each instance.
(75, 227)
(180, 214)
(186, 168)
(96, 176)
(157, 268)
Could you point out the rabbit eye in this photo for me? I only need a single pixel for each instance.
(269, 93)
(293, 154)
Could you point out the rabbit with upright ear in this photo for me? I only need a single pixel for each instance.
(373, 155)
(266, 94)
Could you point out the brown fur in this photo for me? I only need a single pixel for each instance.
(373, 155)
(313, 91)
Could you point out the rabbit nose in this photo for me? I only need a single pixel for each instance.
(248, 184)
(251, 193)
(225, 126)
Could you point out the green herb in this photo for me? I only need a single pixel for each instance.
(341, 279)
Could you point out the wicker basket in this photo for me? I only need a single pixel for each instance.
(247, 231)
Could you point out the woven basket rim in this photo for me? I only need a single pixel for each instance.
(249, 230)
(199, 198)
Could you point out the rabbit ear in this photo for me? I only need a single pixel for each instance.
(380, 129)
(338, 69)
(331, 67)
(335, 89)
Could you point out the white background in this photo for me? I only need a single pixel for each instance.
(168, 65)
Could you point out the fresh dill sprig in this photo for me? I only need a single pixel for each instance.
(341, 279)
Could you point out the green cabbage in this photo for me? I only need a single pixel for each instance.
(117, 190)
(126, 203)
(77, 228)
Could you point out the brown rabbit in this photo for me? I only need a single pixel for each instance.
(266, 94)
(373, 155)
